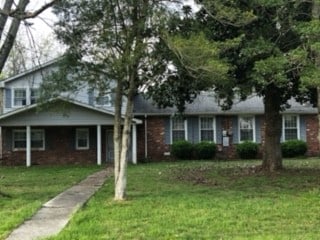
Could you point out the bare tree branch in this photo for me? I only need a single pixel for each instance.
(18, 14)
(3, 17)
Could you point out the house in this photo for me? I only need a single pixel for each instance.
(83, 134)
(203, 120)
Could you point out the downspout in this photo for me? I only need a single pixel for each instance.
(145, 137)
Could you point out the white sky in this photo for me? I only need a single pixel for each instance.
(42, 26)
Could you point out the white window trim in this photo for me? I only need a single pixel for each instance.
(32, 130)
(253, 130)
(214, 127)
(88, 143)
(13, 96)
(28, 95)
(105, 96)
(283, 126)
(185, 130)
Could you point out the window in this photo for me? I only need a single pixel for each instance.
(20, 139)
(178, 129)
(246, 128)
(19, 97)
(34, 95)
(207, 129)
(290, 127)
(104, 100)
(82, 138)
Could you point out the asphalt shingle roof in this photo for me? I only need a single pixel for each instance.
(206, 103)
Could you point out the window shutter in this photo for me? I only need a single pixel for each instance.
(8, 98)
(303, 128)
(218, 130)
(91, 97)
(193, 129)
(258, 129)
(167, 130)
(235, 129)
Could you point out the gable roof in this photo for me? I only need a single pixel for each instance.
(30, 71)
(68, 100)
(206, 103)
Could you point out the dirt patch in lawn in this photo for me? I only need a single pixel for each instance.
(196, 176)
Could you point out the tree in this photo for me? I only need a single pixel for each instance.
(110, 45)
(25, 56)
(11, 15)
(268, 45)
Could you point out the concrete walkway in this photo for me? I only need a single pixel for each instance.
(56, 213)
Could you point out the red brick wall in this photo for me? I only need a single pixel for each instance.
(60, 148)
(312, 135)
(156, 146)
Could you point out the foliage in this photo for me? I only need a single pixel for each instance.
(23, 190)
(293, 148)
(110, 47)
(205, 150)
(205, 200)
(265, 48)
(13, 13)
(247, 150)
(182, 149)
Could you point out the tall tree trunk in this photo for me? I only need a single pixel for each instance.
(272, 156)
(11, 35)
(121, 183)
(4, 17)
(117, 129)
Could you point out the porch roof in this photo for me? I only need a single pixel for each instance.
(73, 113)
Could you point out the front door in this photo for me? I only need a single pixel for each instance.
(110, 146)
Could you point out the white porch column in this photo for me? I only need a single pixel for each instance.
(134, 143)
(99, 145)
(28, 146)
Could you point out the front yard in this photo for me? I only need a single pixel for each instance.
(23, 190)
(206, 200)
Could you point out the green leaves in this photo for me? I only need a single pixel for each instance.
(271, 70)
(200, 57)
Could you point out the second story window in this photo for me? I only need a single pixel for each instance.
(19, 97)
(104, 101)
(34, 95)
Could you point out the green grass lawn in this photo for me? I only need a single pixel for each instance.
(23, 190)
(206, 200)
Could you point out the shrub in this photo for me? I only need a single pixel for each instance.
(205, 150)
(247, 150)
(182, 150)
(293, 148)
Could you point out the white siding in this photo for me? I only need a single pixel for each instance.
(74, 116)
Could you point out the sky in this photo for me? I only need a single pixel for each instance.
(43, 24)
(41, 27)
